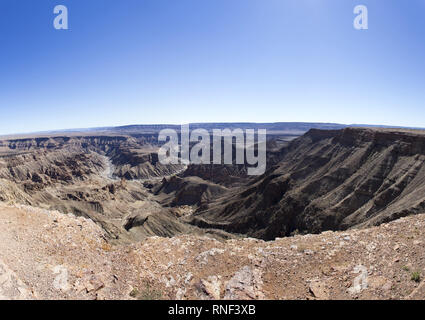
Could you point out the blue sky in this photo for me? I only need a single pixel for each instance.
(178, 61)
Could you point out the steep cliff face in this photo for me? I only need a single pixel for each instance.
(90, 176)
(324, 180)
(103, 143)
(40, 168)
(132, 157)
(137, 163)
(176, 191)
(329, 180)
(233, 175)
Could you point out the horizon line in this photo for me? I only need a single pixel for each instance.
(111, 127)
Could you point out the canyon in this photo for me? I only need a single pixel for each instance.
(328, 194)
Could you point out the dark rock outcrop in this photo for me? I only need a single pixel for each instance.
(329, 180)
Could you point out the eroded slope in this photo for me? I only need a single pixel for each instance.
(92, 176)
(49, 255)
(328, 180)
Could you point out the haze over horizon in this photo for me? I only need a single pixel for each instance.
(188, 61)
(207, 124)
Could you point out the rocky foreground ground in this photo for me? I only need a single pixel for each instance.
(49, 255)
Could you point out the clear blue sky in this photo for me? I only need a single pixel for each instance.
(157, 61)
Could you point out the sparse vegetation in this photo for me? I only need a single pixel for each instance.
(416, 276)
(406, 268)
(149, 293)
(134, 293)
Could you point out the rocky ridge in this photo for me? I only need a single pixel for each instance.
(49, 255)
(328, 180)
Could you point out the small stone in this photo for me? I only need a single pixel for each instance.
(211, 288)
(387, 286)
(94, 285)
(318, 290)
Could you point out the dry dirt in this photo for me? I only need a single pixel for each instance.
(127, 227)
(49, 255)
